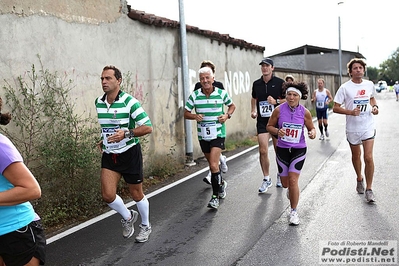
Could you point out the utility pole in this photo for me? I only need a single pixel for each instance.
(186, 88)
(339, 47)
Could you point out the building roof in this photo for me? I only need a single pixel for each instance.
(157, 21)
(310, 49)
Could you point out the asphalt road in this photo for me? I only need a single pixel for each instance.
(251, 228)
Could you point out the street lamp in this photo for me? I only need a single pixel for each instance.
(339, 47)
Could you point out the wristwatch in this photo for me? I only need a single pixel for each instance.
(229, 115)
(278, 101)
(129, 134)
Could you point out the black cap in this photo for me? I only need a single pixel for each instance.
(266, 60)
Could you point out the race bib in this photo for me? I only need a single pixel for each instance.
(109, 131)
(293, 132)
(208, 131)
(362, 105)
(266, 109)
(320, 104)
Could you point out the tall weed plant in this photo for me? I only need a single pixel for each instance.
(57, 145)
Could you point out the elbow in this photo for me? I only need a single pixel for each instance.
(38, 193)
(35, 193)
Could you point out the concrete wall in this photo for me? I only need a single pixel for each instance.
(71, 10)
(78, 38)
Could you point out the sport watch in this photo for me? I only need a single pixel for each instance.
(129, 134)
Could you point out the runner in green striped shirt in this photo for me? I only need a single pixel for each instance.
(209, 102)
(122, 121)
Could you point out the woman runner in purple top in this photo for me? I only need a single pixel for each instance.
(291, 118)
(19, 224)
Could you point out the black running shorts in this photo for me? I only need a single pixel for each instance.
(215, 143)
(129, 164)
(20, 246)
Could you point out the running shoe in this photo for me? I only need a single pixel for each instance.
(370, 195)
(360, 187)
(207, 179)
(321, 137)
(293, 218)
(214, 202)
(222, 190)
(327, 133)
(265, 185)
(128, 225)
(278, 183)
(144, 234)
(223, 164)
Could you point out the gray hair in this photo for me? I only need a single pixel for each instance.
(206, 70)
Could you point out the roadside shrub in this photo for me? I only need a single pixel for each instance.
(57, 145)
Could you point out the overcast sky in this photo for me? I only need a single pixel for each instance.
(369, 27)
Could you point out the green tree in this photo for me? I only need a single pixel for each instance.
(389, 69)
(372, 73)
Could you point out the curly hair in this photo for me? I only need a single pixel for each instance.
(4, 118)
(356, 60)
(301, 86)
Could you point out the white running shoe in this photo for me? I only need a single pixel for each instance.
(214, 202)
(293, 218)
(360, 186)
(223, 164)
(278, 183)
(321, 137)
(222, 190)
(265, 185)
(327, 133)
(128, 225)
(370, 195)
(144, 234)
(207, 179)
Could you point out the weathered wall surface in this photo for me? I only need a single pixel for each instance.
(78, 38)
(71, 10)
(79, 44)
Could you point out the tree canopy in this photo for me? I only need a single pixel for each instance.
(388, 70)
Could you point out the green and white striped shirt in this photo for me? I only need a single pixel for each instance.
(210, 108)
(124, 113)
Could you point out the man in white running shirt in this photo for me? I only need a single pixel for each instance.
(359, 106)
(322, 97)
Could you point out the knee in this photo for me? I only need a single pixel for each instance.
(214, 167)
(293, 181)
(368, 159)
(356, 155)
(137, 195)
(263, 151)
(136, 192)
(108, 197)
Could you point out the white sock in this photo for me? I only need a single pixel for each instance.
(143, 206)
(120, 207)
(267, 178)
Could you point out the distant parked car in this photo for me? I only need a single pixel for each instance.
(381, 85)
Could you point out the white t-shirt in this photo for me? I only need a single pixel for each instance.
(351, 95)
